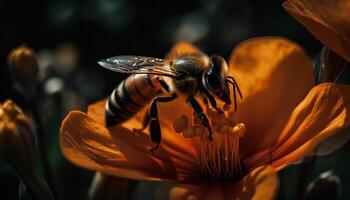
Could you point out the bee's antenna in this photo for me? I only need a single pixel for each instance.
(232, 81)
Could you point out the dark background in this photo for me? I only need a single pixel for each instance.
(71, 36)
(102, 28)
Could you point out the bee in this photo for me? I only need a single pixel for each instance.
(155, 80)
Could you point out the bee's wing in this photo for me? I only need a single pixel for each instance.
(138, 65)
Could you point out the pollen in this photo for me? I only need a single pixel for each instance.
(181, 124)
(219, 157)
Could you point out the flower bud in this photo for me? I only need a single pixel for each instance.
(23, 66)
(17, 140)
(17, 146)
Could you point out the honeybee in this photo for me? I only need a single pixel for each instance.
(163, 80)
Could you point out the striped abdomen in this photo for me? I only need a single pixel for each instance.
(130, 97)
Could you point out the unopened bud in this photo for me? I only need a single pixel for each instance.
(23, 66)
(17, 146)
(17, 140)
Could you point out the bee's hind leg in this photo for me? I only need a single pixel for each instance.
(155, 131)
(200, 114)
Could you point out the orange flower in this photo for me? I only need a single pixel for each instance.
(281, 119)
(328, 21)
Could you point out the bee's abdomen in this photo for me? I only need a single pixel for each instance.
(130, 97)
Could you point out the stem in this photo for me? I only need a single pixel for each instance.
(305, 169)
(105, 186)
(37, 187)
(332, 65)
(42, 142)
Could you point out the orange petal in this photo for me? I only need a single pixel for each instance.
(328, 21)
(117, 151)
(332, 143)
(97, 110)
(324, 113)
(274, 75)
(262, 183)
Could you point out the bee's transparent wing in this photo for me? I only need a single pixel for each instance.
(138, 65)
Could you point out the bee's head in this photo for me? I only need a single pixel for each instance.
(214, 80)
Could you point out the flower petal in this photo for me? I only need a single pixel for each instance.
(97, 110)
(328, 21)
(117, 151)
(266, 69)
(332, 143)
(324, 113)
(262, 183)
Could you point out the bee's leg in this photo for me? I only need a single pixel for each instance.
(212, 101)
(200, 114)
(155, 130)
(205, 100)
(232, 81)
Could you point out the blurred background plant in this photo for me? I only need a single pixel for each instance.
(71, 36)
(17, 146)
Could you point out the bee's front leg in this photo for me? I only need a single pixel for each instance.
(205, 100)
(212, 101)
(155, 131)
(200, 114)
(232, 81)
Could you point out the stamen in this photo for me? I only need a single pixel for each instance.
(217, 139)
(200, 131)
(220, 158)
(189, 132)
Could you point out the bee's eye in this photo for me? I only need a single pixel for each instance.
(214, 82)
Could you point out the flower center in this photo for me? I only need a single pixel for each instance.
(219, 158)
